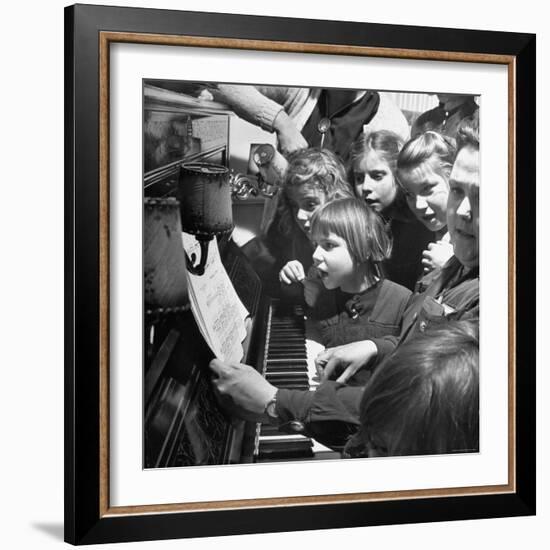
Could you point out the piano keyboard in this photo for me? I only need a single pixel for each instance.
(291, 347)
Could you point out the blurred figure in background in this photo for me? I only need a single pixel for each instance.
(453, 112)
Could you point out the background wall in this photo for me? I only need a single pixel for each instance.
(31, 403)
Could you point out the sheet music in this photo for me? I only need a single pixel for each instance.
(219, 312)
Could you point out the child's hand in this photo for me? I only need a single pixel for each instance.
(292, 272)
(436, 255)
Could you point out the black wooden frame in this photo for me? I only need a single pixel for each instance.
(84, 523)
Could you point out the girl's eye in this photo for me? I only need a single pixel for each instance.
(377, 176)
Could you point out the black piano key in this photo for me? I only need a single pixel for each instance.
(288, 350)
(288, 366)
(280, 351)
(290, 383)
(285, 369)
(274, 360)
(282, 382)
(297, 362)
(289, 386)
(291, 338)
(288, 374)
(286, 347)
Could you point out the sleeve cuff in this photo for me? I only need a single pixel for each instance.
(267, 115)
(293, 405)
(384, 346)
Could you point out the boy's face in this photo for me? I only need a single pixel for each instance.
(305, 199)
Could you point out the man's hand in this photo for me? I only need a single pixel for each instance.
(292, 272)
(243, 391)
(344, 361)
(436, 255)
(289, 137)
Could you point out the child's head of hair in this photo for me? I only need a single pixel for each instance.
(312, 171)
(361, 227)
(318, 168)
(430, 147)
(425, 398)
(385, 143)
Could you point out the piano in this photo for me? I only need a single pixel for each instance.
(183, 424)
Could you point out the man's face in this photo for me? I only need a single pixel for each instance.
(463, 207)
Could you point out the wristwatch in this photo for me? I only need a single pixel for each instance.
(271, 408)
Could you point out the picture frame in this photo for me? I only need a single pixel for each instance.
(90, 31)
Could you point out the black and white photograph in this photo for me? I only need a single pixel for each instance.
(292, 303)
(310, 273)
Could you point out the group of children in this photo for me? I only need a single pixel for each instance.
(353, 245)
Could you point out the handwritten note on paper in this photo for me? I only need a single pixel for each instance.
(219, 312)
